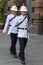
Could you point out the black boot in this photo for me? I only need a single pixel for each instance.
(15, 56)
(23, 62)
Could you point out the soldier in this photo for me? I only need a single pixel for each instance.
(13, 34)
(22, 32)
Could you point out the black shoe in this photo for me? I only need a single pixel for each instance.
(23, 62)
(15, 56)
(19, 57)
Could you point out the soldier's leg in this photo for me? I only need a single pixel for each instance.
(23, 42)
(13, 43)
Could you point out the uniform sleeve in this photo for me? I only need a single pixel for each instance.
(13, 25)
(6, 25)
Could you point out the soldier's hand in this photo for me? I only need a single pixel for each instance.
(30, 26)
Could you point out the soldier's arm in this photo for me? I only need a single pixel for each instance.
(6, 25)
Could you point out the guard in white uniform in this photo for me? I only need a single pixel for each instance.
(13, 34)
(22, 33)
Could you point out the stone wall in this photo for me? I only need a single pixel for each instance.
(37, 17)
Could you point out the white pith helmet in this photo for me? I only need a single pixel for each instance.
(23, 8)
(14, 8)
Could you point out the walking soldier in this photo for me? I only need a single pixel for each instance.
(13, 34)
(22, 33)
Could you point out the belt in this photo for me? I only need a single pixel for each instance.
(23, 28)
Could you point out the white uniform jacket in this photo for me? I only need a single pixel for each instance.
(24, 24)
(14, 29)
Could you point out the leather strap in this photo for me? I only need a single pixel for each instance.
(21, 22)
(12, 18)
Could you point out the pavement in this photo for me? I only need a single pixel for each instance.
(33, 51)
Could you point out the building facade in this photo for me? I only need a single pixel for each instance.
(37, 16)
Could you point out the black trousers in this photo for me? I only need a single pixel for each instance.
(13, 43)
(23, 42)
